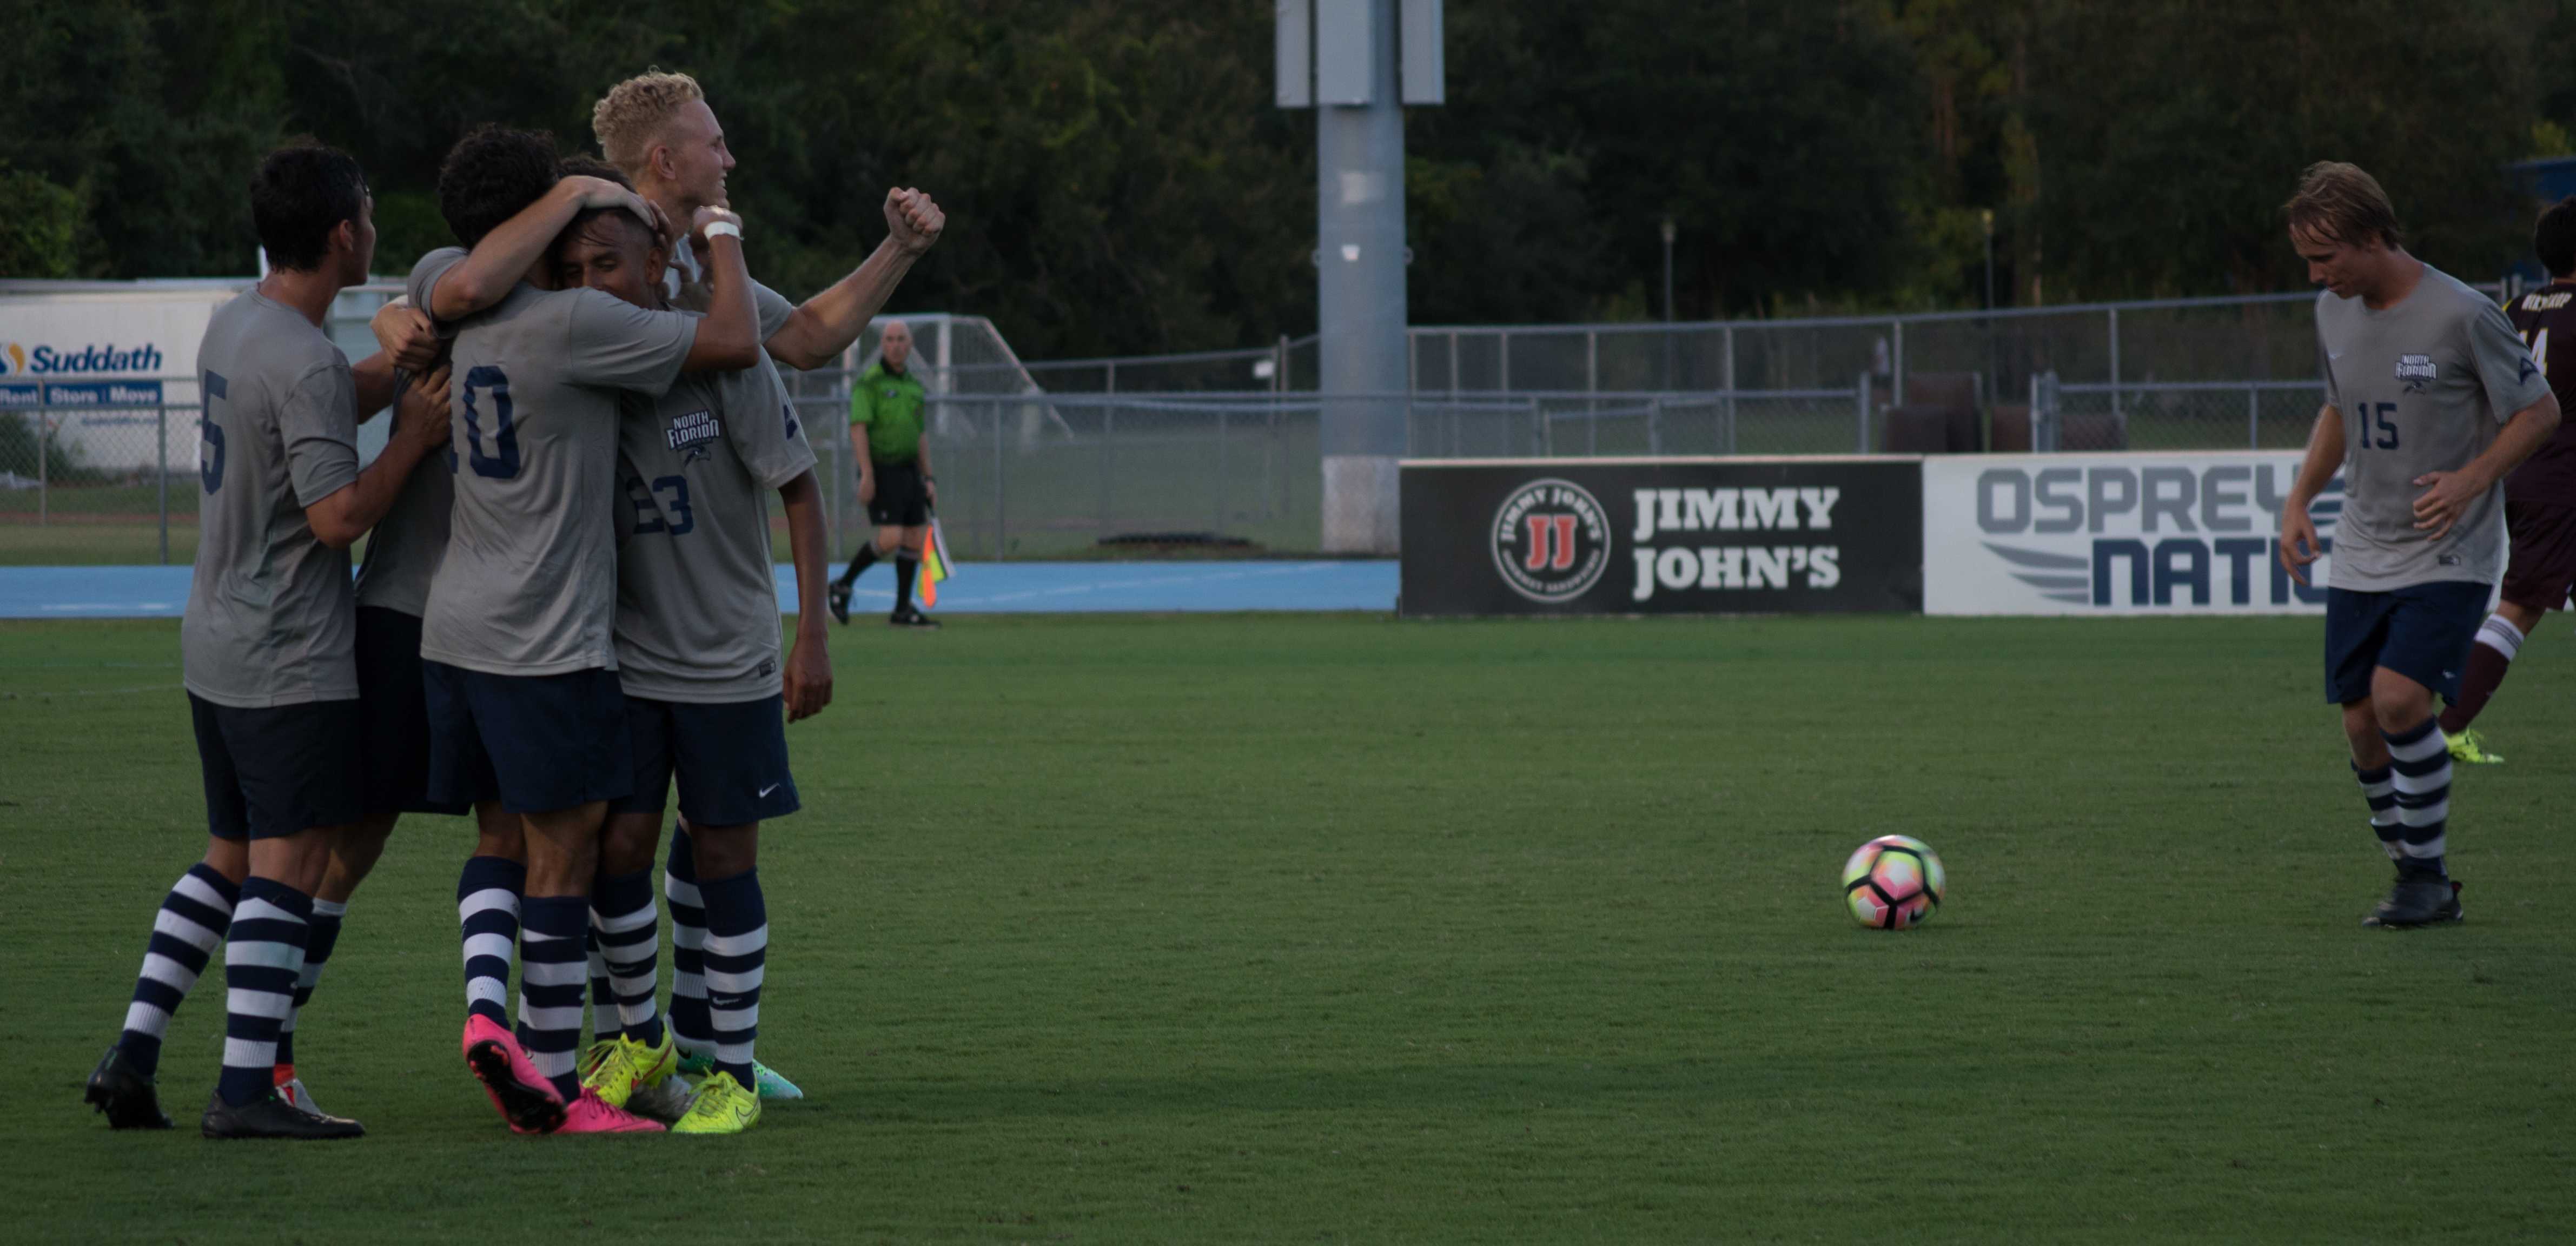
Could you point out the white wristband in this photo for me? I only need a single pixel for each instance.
(723, 229)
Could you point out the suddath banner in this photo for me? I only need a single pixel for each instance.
(2172, 533)
(1661, 536)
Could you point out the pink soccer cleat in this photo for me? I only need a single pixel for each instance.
(522, 1095)
(591, 1114)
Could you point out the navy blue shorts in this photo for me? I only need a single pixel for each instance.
(731, 759)
(393, 709)
(537, 743)
(278, 770)
(2421, 631)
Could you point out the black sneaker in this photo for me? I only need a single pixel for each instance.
(2417, 902)
(125, 1095)
(839, 600)
(271, 1116)
(910, 616)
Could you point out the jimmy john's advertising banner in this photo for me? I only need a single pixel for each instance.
(1661, 536)
(2175, 533)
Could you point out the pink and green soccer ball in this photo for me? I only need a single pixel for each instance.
(1893, 882)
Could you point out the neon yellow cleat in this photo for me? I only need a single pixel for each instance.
(722, 1107)
(615, 1069)
(773, 1084)
(2469, 749)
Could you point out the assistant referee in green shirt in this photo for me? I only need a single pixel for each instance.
(894, 475)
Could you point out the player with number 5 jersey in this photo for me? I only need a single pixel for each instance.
(2430, 400)
(516, 649)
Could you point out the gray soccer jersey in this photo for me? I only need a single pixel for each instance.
(269, 617)
(404, 549)
(2422, 386)
(528, 583)
(697, 608)
(685, 284)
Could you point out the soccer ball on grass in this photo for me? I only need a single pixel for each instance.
(1893, 882)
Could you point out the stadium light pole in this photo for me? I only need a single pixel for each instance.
(1357, 63)
(1669, 381)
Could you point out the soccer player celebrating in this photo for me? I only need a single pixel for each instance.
(698, 655)
(660, 131)
(2430, 401)
(894, 475)
(2540, 495)
(266, 645)
(493, 183)
(516, 645)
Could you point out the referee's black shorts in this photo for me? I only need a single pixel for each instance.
(901, 501)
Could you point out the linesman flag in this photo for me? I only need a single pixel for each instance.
(934, 565)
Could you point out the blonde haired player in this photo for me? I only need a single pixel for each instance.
(660, 131)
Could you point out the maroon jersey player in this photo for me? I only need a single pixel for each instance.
(2539, 497)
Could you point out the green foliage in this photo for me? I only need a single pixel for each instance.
(38, 230)
(1118, 179)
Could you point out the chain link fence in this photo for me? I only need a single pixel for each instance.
(1220, 450)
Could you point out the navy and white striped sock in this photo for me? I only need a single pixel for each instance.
(2422, 760)
(191, 922)
(263, 956)
(2379, 788)
(603, 997)
(487, 919)
(321, 934)
(737, 956)
(550, 983)
(630, 941)
(690, 1028)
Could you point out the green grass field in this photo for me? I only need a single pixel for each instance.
(1348, 929)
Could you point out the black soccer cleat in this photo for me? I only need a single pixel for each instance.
(839, 601)
(271, 1116)
(910, 616)
(127, 1097)
(2417, 902)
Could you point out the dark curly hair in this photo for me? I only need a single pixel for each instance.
(299, 195)
(583, 164)
(490, 176)
(2555, 238)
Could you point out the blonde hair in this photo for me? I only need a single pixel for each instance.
(2338, 202)
(632, 114)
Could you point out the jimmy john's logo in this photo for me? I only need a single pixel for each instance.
(1551, 541)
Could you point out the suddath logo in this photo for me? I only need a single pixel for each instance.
(1551, 541)
(20, 359)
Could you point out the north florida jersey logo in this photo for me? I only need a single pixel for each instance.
(691, 434)
(2415, 371)
(1551, 541)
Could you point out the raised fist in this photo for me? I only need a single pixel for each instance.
(913, 219)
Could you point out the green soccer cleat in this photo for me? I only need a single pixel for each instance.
(772, 1085)
(615, 1069)
(2469, 749)
(722, 1106)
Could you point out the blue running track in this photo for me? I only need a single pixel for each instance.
(977, 588)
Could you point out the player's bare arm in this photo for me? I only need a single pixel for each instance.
(808, 674)
(2298, 544)
(375, 382)
(420, 426)
(519, 246)
(817, 332)
(867, 468)
(2447, 494)
(729, 337)
(405, 335)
